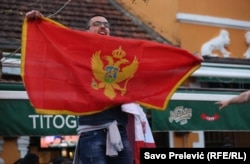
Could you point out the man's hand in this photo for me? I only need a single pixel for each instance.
(198, 55)
(33, 14)
(222, 104)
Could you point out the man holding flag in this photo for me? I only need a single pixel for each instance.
(96, 88)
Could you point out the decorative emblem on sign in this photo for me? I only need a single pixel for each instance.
(111, 76)
(180, 114)
(215, 117)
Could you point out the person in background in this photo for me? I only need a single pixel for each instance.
(57, 160)
(244, 97)
(30, 158)
(93, 146)
(1, 161)
(18, 161)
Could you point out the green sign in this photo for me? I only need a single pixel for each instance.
(182, 115)
(18, 117)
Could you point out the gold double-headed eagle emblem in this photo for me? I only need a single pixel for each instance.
(109, 76)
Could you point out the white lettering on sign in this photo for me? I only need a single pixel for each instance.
(57, 121)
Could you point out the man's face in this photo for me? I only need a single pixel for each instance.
(99, 25)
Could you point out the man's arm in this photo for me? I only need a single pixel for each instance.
(244, 97)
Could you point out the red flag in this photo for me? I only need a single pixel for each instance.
(67, 71)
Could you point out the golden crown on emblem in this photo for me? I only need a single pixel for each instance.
(118, 53)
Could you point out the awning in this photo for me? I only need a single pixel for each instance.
(11, 63)
(227, 73)
(226, 70)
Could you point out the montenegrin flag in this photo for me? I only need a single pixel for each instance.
(67, 71)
